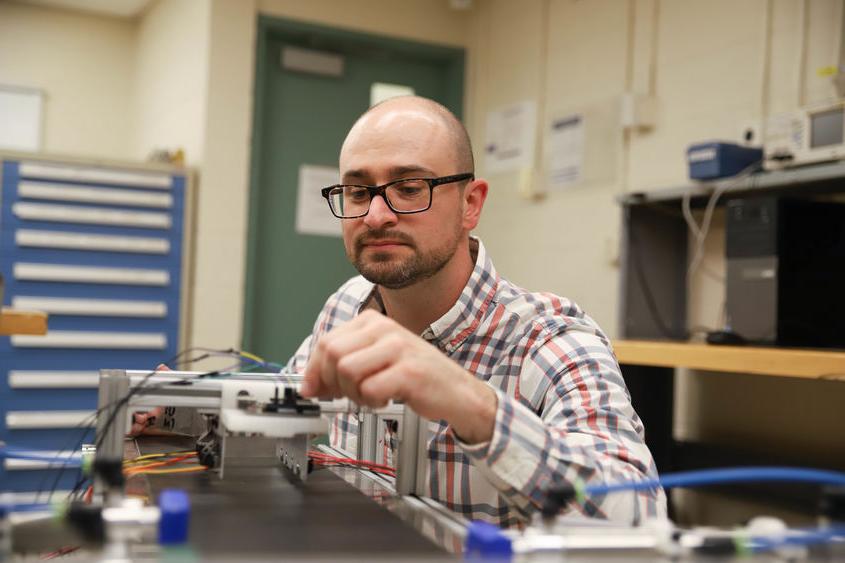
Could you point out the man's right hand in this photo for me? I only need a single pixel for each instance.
(142, 422)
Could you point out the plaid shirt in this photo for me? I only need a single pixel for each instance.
(564, 412)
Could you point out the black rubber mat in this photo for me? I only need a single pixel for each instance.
(260, 511)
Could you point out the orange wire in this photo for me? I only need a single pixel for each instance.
(143, 468)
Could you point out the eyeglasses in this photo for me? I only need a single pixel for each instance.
(408, 195)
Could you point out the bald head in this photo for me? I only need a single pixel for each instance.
(404, 111)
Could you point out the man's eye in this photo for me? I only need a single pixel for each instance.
(357, 194)
(408, 190)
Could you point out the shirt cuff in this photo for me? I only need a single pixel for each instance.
(482, 449)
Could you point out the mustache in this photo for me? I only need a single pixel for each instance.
(371, 237)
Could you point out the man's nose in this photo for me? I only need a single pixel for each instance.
(380, 214)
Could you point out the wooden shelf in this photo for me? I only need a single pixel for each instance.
(22, 322)
(786, 362)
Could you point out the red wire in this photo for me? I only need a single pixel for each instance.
(316, 454)
(374, 470)
(322, 459)
(352, 461)
(59, 552)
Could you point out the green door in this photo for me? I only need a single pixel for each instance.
(311, 84)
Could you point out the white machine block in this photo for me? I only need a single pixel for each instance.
(272, 425)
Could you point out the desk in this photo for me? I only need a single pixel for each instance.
(649, 370)
(13, 321)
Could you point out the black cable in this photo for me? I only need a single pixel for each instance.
(141, 385)
(85, 423)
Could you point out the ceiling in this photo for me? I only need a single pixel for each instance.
(114, 8)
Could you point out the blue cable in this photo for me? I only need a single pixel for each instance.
(805, 537)
(722, 476)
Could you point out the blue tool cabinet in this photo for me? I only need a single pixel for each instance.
(101, 249)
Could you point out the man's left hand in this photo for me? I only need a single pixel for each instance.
(372, 359)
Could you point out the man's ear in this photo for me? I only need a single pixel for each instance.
(474, 195)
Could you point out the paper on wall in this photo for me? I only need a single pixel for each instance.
(565, 151)
(509, 144)
(313, 216)
(21, 112)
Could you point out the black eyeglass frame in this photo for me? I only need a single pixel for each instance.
(380, 191)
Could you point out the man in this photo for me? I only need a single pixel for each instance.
(522, 387)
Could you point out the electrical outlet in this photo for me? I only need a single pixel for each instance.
(750, 133)
(638, 112)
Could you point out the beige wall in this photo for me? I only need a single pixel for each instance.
(115, 88)
(170, 79)
(422, 20)
(572, 235)
(81, 62)
(222, 205)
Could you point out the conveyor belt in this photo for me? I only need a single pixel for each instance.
(258, 511)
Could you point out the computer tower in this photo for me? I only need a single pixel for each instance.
(786, 271)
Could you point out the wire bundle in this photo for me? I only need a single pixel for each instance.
(181, 359)
(159, 464)
(320, 459)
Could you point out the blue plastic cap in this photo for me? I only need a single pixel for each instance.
(175, 510)
(486, 541)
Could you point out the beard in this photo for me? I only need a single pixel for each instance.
(396, 272)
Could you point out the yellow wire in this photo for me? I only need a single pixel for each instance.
(155, 456)
(252, 356)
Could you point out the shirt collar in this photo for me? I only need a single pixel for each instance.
(450, 330)
(461, 320)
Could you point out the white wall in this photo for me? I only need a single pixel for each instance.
(81, 62)
(170, 79)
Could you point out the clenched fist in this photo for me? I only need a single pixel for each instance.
(372, 359)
